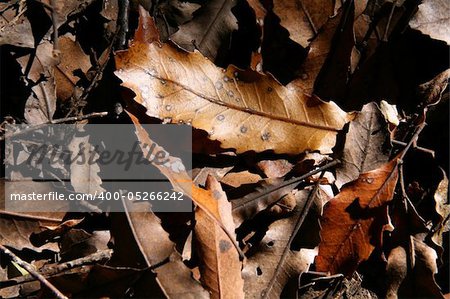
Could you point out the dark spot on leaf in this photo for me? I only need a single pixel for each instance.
(217, 195)
(265, 136)
(224, 245)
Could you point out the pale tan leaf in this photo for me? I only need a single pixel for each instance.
(433, 19)
(243, 110)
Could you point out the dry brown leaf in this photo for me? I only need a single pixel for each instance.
(176, 173)
(267, 192)
(318, 52)
(72, 58)
(260, 269)
(415, 282)
(443, 209)
(245, 111)
(15, 28)
(432, 19)
(41, 104)
(236, 179)
(275, 168)
(220, 266)
(199, 175)
(84, 175)
(16, 228)
(354, 220)
(145, 230)
(303, 18)
(432, 91)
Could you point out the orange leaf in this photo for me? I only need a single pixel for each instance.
(220, 266)
(354, 220)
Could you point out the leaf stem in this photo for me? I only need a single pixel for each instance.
(55, 121)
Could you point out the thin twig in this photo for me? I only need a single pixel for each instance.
(49, 271)
(402, 185)
(412, 140)
(386, 30)
(28, 216)
(56, 51)
(97, 76)
(419, 148)
(308, 16)
(287, 183)
(55, 121)
(33, 272)
(301, 218)
(124, 9)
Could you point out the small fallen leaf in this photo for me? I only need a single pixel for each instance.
(41, 104)
(443, 209)
(432, 91)
(418, 282)
(236, 179)
(275, 168)
(139, 228)
(209, 29)
(260, 268)
(266, 193)
(367, 145)
(353, 221)
(15, 26)
(84, 174)
(305, 18)
(72, 58)
(432, 19)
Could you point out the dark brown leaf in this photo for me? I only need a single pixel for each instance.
(209, 30)
(353, 221)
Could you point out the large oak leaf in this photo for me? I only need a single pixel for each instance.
(353, 221)
(243, 110)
